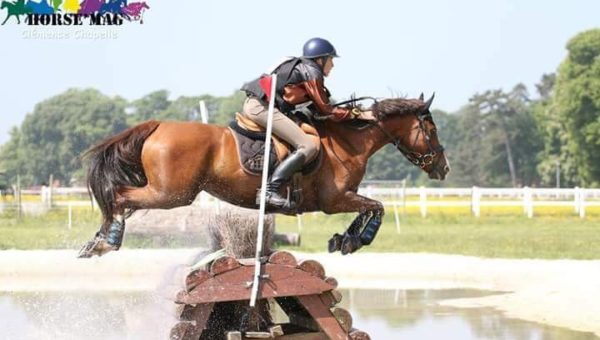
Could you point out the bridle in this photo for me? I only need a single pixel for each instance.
(417, 158)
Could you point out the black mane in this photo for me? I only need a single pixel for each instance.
(397, 106)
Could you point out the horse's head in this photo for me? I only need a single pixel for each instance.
(408, 124)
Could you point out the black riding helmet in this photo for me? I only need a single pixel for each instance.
(318, 47)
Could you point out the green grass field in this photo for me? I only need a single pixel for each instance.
(552, 234)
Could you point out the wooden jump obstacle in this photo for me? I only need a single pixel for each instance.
(301, 289)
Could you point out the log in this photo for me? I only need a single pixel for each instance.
(332, 281)
(283, 258)
(356, 334)
(343, 317)
(257, 335)
(337, 296)
(196, 317)
(312, 267)
(304, 321)
(304, 336)
(328, 299)
(179, 330)
(276, 331)
(224, 264)
(234, 335)
(195, 278)
(321, 313)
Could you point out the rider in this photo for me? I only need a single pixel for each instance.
(299, 80)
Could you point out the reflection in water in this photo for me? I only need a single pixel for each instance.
(415, 314)
(385, 314)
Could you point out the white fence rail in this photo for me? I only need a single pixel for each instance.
(475, 198)
(397, 197)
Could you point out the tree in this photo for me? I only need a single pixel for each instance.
(148, 107)
(577, 105)
(53, 137)
(510, 135)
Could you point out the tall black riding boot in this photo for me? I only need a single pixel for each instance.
(281, 175)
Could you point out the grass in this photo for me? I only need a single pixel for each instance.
(500, 232)
(505, 236)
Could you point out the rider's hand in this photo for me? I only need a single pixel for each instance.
(363, 115)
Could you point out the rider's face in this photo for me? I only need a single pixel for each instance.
(328, 66)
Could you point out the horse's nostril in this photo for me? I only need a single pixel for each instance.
(446, 168)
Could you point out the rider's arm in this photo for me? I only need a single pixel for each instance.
(316, 91)
(313, 84)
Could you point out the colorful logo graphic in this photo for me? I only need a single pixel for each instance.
(72, 12)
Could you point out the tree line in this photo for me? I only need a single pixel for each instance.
(506, 138)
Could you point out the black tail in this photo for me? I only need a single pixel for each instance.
(116, 162)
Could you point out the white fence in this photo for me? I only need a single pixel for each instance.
(475, 198)
(396, 197)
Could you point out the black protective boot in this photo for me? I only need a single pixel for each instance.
(282, 174)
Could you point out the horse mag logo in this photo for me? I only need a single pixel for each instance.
(74, 13)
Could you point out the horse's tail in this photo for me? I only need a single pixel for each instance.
(116, 162)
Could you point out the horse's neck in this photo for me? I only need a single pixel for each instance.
(353, 145)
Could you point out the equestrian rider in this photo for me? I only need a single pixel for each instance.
(299, 80)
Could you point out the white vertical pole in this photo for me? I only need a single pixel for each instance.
(203, 112)
(475, 202)
(528, 201)
(423, 201)
(582, 203)
(576, 199)
(397, 216)
(44, 195)
(299, 220)
(263, 193)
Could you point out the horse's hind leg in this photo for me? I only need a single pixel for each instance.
(129, 199)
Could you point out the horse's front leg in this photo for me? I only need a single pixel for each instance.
(363, 229)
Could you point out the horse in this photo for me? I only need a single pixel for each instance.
(15, 9)
(41, 7)
(163, 165)
(89, 7)
(56, 5)
(71, 6)
(134, 11)
(113, 6)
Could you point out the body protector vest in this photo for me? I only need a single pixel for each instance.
(290, 71)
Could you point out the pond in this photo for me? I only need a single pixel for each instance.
(384, 314)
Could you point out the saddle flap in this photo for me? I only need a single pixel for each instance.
(248, 134)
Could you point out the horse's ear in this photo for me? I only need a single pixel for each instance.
(429, 101)
(421, 97)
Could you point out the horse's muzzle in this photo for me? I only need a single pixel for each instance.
(440, 169)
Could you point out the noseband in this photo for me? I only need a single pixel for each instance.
(418, 159)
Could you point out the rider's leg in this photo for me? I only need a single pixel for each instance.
(289, 131)
(283, 127)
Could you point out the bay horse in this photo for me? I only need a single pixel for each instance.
(163, 165)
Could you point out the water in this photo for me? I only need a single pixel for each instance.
(384, 314)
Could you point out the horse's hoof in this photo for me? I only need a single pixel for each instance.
(350, 244)
(335, 243)
(98, 246)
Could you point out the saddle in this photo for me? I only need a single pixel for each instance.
(250, 140)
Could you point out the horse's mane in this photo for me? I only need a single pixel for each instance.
(396, 106)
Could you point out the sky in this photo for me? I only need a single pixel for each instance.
(387, 48)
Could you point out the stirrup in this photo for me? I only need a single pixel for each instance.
(287, 205)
